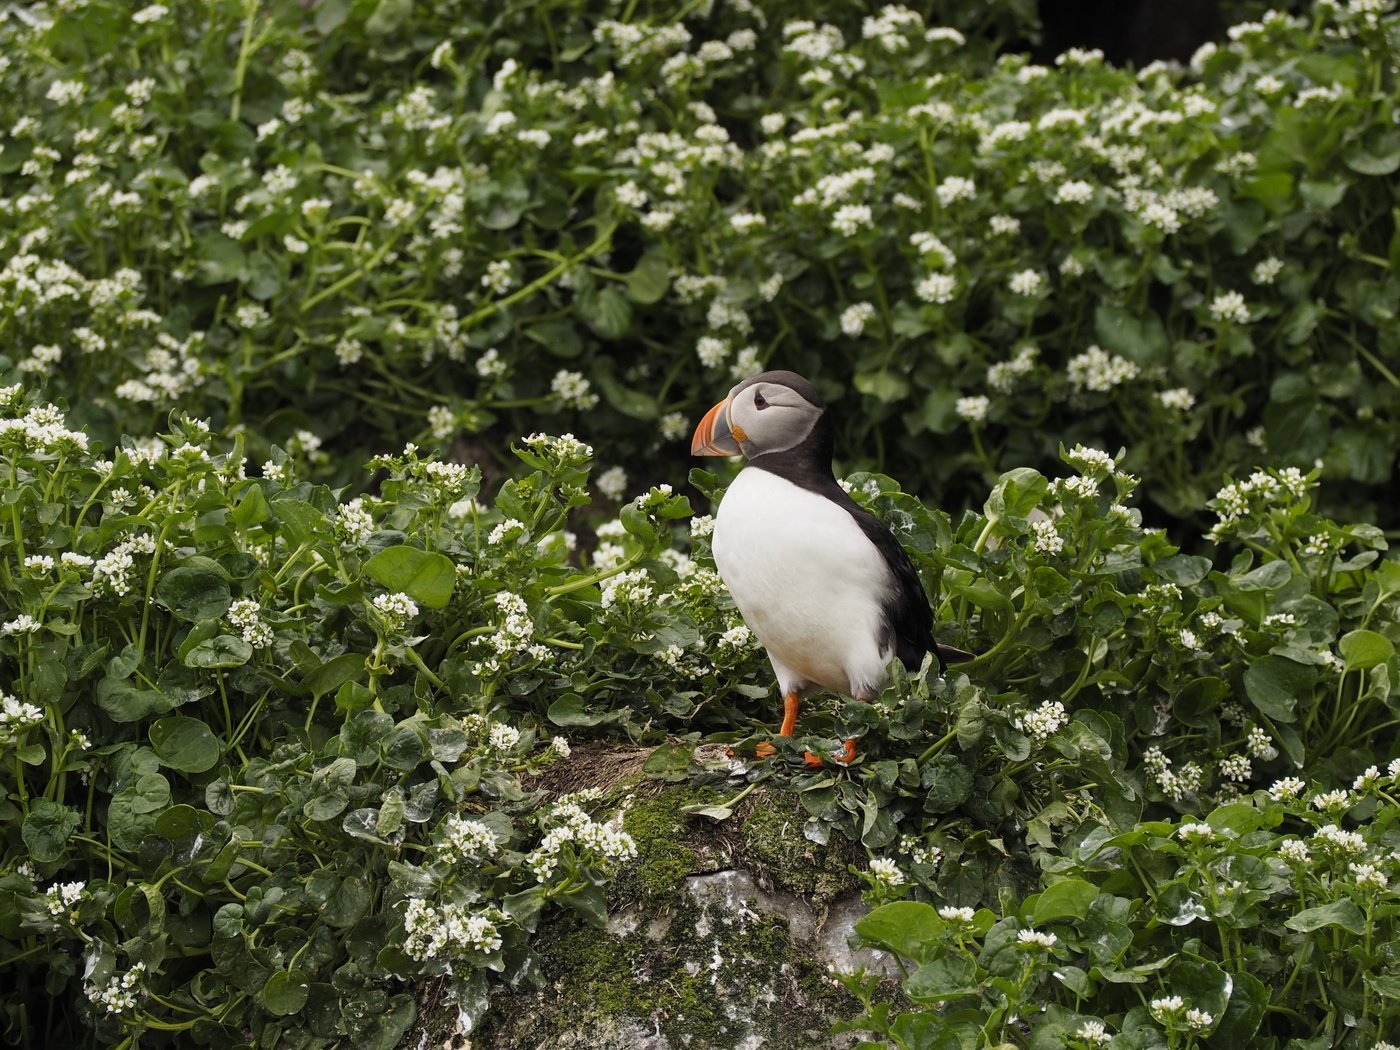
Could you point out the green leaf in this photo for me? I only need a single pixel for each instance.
(885, 385)
(285, 992)
(1066, 899)
(1275, 685)
(633, 403)
(947, 978)
(649, 279)
(670, 761)
(1139, 337)
(569, 710)
(219, 259)
(194, 591)
(334, 673)
(947, 783)
(252, 509)
(1016, 494)
(47, 828)
(608, 313)
(1365, 649)
(186, 744)
(424, 576)
(908, 928)
(591, 902)
(1342, 914)
(388, 17)
(223, 650)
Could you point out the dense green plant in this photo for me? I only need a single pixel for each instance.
(380, 217)
(1268, 918)
(262, 744)
(261, 750)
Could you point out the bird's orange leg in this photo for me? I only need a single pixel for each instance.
(790, 706)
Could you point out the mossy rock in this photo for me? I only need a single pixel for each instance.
(721, 936)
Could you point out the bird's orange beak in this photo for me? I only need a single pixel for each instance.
(713, 437)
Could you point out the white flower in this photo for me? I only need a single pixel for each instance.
(1329, 800)
(22, 624)
(1289, 789)
(851, 218)
(1179, 399)
(507, 531)
(1044, 721)
(397, 609)
(150, 13)
(612, 483)
(353, 522)
(855, 317)
(632, 587)
(1368, 876)
(62, 898)
(472, 839)
(1076, 191)
(1236, 767)
(1196, 833)
(1229, 307)
(573, 389)
(501, 737)
(973, 409)
(711, 350)
(1166, 1006)
(1330, 835)
(1046, 539)
(119, 994)
(937, 288)
(499, 276)
(674, 426)
(1198, 1019)
(884, 870)
(1367, 780)
(1099, 371)
(736, 637)
(1294, 851)
(948, 913)
(1027, 282)
(1034, 940)
(955, 188)
(1266, 270)
(1093, 1033)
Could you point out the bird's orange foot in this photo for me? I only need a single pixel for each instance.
(848, 751)
(765, 750)
(811, 761)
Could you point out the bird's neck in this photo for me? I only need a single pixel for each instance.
(807, 462)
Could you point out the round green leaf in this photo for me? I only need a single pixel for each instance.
(47, 829)
(422, 575)
(285, 992)
(186, 744)
(1364, 649)
(194, 592)
(224, 650)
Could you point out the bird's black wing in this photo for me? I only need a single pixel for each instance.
(908, 616)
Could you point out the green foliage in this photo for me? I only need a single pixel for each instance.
(391, 218)
(263, 761)
(1261, 920)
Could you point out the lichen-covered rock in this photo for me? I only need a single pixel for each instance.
(721, 936)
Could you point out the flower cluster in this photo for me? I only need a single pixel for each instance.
(449, 931)
(574, 838)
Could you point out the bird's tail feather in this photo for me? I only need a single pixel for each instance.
(948, 654)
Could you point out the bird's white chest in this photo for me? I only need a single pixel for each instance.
(807, 581)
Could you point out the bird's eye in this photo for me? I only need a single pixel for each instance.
(758, 401)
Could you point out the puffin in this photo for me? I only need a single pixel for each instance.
(823, 584)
